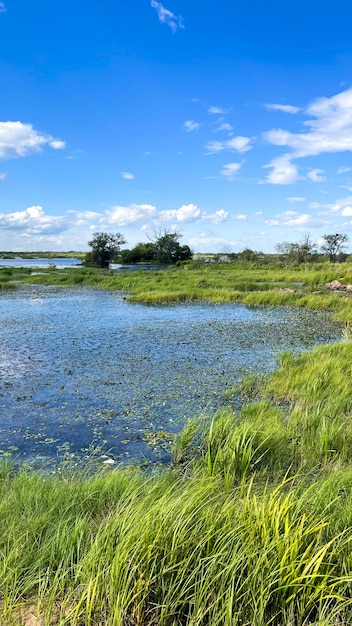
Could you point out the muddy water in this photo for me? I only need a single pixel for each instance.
(84, 370)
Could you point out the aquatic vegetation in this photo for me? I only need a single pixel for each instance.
(251, 524)
(249, 283)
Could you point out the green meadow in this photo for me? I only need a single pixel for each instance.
(251, 524)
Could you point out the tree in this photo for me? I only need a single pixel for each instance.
(295, 253)
(105, 247)
(142, 252)
(333, 245)
(167, 249)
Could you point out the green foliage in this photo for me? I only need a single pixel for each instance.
(105, 248)
(168, 250)
(296, 253)
(333, 245)
(141, 253)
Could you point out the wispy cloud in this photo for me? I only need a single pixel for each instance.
(230, 170)
(329, 131)
(190, 126)
(167, 17)
(236, 144)
(294, 199)
(3, 175)
(343, 170)
(2, 7)
(316, 176)
(283, 171)
(285, 108)
(127, 175)
(217, 110)
(224, 126)
(19, 140)
(292, 219)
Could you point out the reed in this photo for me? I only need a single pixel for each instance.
(251, 524)
(248, 283)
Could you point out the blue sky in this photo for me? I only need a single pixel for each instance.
(228, 122)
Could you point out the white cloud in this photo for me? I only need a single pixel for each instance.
(225, 126)
(283, 172)
(286, 108)
(2, 7)
(127, 175)
(167, 17)
(3, 175)
(258, 213)
(347, 211)
(186, 213)
(230, 170)
(316, 176)
(34, 221)
(336, 207)
(56, 144)
(207, 241)
(343, 170)
(241, 216)
(19, 140)
(295, 220)
(217, 217)
(132, 214)
(236, 144)
(329, 129)
(216, 110)
(293, 199)
(190, 125)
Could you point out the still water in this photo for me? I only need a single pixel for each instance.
(84, 370)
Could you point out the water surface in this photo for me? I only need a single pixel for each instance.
(84, 369)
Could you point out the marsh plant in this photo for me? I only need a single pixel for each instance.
(251, 524)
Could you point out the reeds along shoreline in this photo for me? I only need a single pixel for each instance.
(250, 525)
(247, 283)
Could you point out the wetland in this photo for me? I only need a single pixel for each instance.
(85, 374)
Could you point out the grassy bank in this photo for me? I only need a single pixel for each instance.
(303, 286)
(251, 525)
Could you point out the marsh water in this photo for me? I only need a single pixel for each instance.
(85, 372)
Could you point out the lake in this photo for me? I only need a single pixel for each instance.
(84, 372)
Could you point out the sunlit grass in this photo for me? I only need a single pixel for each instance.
(247, 283)
(252, 523)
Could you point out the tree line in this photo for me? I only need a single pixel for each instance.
(164, 248)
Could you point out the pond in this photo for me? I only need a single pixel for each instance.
(40, 262)
(66, 262)
(85, 372)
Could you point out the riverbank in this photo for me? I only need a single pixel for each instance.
(302, 286)
(250, 525)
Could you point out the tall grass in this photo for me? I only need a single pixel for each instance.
(303, 286)
(251, 524)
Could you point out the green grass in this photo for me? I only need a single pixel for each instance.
(247, 283)
(251, 524)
